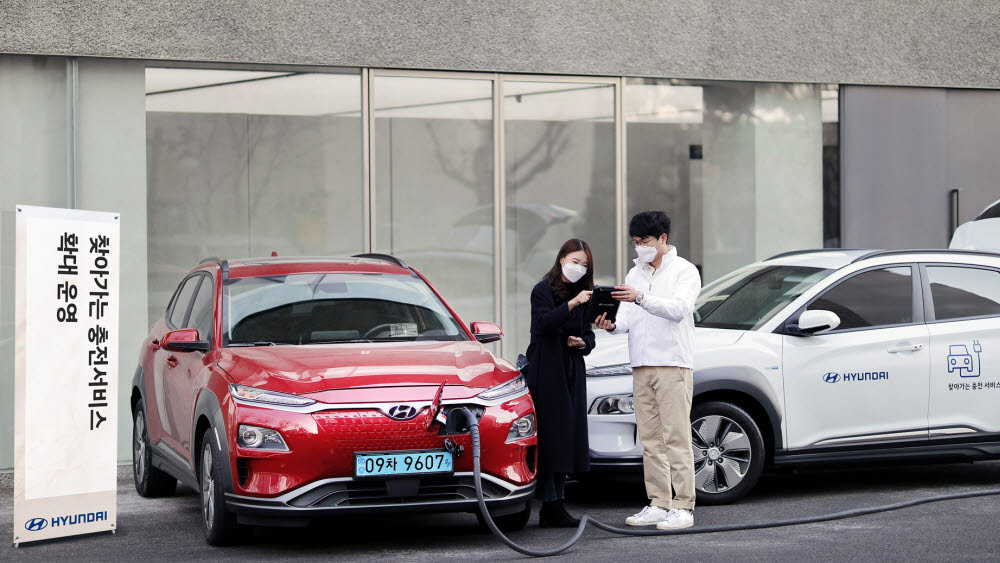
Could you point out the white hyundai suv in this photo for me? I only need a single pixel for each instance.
(826, 356)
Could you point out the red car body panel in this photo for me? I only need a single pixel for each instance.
(345, 379)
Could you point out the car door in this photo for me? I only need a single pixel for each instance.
(963, 310)
(183, 368)
(162, 424)
(866, 380)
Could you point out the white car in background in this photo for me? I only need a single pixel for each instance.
(982, 233)
(825, 356)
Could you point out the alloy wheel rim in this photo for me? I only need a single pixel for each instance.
(722, 453)
(207, 487)
(139, 448)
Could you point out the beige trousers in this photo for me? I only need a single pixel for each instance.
(662, 397)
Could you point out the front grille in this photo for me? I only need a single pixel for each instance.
(369, 430)
(375, 492)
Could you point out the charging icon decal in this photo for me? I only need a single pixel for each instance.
(960, 360)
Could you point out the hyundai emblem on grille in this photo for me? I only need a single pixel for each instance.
(402, 412)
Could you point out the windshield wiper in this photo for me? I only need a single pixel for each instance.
(257, 343)
(345, 341)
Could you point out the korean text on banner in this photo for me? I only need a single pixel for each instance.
(66, 372)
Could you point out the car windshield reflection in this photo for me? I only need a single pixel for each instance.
(334, 308)
(748, 298)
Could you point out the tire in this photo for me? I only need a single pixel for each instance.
(509, 522)
(728, 450)
(149, 481)
(219, 524)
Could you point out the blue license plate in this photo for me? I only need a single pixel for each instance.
(403, 463)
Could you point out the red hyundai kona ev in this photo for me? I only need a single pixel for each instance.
(286, 390)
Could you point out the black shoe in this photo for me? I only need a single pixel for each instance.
(553, 515)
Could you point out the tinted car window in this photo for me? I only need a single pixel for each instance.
(201, 311)
(964, 292)
(180, 306)
(991, 212)
(873, 298)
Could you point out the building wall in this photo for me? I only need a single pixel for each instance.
(944, 43)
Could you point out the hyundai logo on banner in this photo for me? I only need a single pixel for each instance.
(831, 377)
(36, 524)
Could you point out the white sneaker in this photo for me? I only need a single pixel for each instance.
(648, 516)
(677, 519)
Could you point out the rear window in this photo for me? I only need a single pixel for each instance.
(964, 292)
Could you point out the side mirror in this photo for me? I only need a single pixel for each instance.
(184, 340)
(815, 322)
(486, 332)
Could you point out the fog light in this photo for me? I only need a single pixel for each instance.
(255, 437)
(522, 428)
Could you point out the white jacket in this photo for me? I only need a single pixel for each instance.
(661, 331)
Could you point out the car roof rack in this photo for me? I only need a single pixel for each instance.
(880, 253)
(812, 251)
(223, 265)
(386, 257)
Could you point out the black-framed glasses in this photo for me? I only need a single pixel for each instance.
(644, 242)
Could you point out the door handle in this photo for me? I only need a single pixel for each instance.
(155, 344)
(172, 361)
(907, 348)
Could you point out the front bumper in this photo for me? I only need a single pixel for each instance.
(344, 496)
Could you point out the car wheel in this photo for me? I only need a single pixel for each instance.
(149, 481)
(509, 522)
(728, 452)
(219, 524)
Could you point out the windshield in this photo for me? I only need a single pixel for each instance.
(746, 299)
(332, 308)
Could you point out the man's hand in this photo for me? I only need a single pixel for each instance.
(575, 342)
(625, 293)
(603, 322)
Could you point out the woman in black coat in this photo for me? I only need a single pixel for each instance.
(557, 376)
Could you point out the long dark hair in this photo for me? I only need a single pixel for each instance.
(560, 289)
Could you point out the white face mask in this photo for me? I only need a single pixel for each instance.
(647, 253)
(573, 272)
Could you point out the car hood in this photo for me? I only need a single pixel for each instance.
(343, 367)
(612, 349)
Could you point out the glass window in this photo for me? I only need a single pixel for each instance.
(874, 298)
(433, 184)
(332, 308)
(245, 163)
(202, 309)
(745, 170)
(749, 298)
(991, 212)
(179, 308)
(964, 292)
(560, 184)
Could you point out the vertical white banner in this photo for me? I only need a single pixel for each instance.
(66, 372)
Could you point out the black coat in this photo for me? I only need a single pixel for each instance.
(557, 378)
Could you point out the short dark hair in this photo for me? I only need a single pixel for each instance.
(649, 224)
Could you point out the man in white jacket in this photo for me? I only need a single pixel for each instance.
(657, 312)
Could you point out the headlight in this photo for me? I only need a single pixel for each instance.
(258, 438)
(522, 428)
(623, 369)
(512, 387)
(255, 395)
(613, 404)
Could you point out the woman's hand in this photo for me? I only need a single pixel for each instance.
(580, 299)
(575, 342)
(603, 322)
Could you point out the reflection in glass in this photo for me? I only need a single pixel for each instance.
(560, 184)
(245, 163)
(433, 184)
